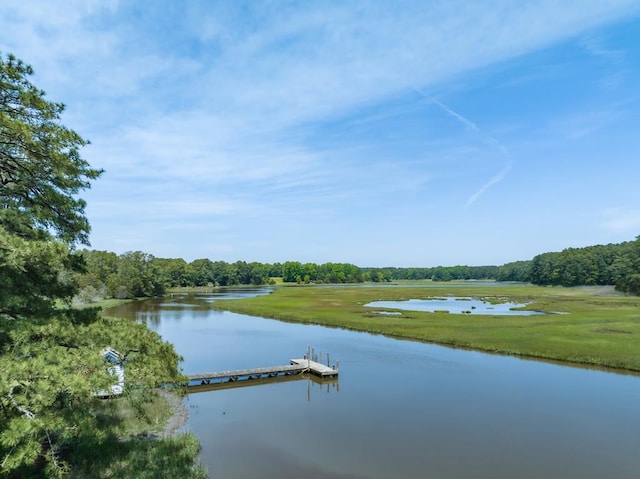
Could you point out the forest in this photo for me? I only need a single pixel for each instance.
(138, 274)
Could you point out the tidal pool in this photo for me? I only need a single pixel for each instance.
(400, 409)
(456, 305)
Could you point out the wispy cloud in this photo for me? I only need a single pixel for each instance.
(621, 221)
(596, 45)
(287, 65)
(228, 110)
(615, 61)
(583, 123)
(504, 152)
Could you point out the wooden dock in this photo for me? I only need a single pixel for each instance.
(308, 364)
(315, 367)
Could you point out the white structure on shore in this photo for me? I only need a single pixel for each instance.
(116, 369)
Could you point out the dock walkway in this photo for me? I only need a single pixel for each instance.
(295, 366)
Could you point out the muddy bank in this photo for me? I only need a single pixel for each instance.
(179, 415)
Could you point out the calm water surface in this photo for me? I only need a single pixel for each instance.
(456, 305)
(400, 409)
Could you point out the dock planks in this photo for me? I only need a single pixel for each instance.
(295, 366)
(240, 374)
(316, 368)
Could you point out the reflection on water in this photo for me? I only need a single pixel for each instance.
(174, 305)
(313, 382)
(400, 409)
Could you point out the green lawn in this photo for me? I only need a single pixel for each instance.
(601, 327)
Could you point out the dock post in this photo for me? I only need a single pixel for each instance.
(328, 361)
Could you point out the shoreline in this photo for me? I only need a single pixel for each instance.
(179, 414)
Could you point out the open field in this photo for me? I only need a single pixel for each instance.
(600, 327)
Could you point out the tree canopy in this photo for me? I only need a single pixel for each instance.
(612, 264)
(41, 170)
(50, 354)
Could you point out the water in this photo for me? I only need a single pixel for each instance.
(400, 409)
(455, 305)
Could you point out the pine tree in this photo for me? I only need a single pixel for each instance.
(50, 355)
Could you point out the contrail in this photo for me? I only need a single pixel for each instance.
(457, 116)
(496, 179)
(495, 143)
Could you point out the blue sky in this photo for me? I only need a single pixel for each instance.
(376, 133)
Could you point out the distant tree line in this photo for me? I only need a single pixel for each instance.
(438, 273)
(295, 272)
(612, 264)
(138, 274)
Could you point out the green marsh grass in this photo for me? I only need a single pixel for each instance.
(132, 447)
(598, 326)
